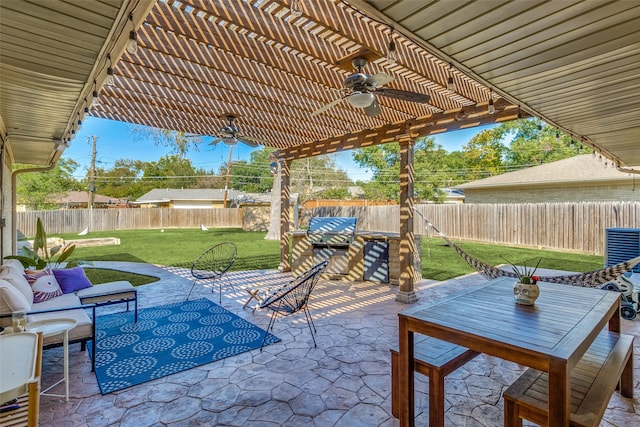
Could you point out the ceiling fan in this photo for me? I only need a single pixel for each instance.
(231, 135)
(360, 89)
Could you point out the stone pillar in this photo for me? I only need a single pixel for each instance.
(406, 293)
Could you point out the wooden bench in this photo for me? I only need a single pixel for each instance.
(436, 359)
(607, 364)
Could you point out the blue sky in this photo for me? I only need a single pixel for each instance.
(116, 141)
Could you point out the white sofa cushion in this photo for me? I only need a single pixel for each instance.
(106, 292)
(11, 300)
(16, 277)
(81, 330)
(12, 263)
(83, 322)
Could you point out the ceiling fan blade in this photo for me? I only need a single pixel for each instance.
(404, 95)
(216, 140)
(327, 106)
(251, 142)
(380, 79)
(373, 109)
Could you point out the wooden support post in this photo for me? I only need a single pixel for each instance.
(285, 196)
(406, 294)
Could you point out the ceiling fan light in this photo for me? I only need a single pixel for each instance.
(392, 53)
(94, 100)
(361, 99)
(229, 140)
(132, 43)
(492, 108)
(451, 84)
(110, 80)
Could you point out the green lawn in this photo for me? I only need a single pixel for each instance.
(179, 247)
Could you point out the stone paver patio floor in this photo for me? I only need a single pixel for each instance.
(345, 381)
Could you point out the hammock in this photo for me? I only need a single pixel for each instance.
(592, 279)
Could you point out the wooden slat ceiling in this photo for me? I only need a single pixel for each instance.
(574, 63)
(197, 60)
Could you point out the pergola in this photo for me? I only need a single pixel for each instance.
(273, 63)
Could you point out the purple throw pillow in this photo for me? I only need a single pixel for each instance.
(72, 279)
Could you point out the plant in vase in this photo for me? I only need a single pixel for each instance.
(526, 290)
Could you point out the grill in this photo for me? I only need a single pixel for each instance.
(331, 238)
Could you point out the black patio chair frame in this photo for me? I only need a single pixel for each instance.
(293, 297)
(212, 265)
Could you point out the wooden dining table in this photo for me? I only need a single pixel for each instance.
(551, 336)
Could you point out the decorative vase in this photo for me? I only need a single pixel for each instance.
(525, 293)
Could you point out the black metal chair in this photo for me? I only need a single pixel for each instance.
(293, 297)
(212, 264)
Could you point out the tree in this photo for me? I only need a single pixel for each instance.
(484, 153)
(309, 176)
(312, 176)
(34, 189)
(534, 143)
(176, 167)
(252, 176)
(131, 179)
(431, 170)
(123, 181)
(179, 142)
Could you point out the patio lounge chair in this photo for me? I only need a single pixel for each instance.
(293, 297)
(212, 264)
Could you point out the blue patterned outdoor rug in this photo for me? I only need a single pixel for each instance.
(168, 339)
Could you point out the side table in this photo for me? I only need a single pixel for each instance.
(49, 328)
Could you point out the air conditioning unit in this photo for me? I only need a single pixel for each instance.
(622, 244)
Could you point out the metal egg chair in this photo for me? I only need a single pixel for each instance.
(292, 298)
(212, 265)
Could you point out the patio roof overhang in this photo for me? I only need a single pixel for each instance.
(573, 63)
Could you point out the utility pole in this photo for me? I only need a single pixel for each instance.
(226, 181)
(92, 172)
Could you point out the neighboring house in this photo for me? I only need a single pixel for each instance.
(576, 179)
(451, 196)
(204, 198)
(80, 200)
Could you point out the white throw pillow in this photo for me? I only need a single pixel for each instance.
(12, 264)
(17, 279)
(11, 299)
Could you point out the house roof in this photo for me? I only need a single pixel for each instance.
(163, 195)
(571, 62)
(582, 169)
(83, 197)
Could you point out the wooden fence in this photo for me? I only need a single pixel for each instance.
(575, 227)
(76, 220)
